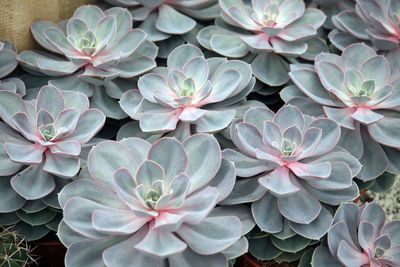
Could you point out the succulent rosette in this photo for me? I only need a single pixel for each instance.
(360, 236)
(269, 33)
(40, 147)
(289, 168)
(373, 21)
(360, 90)
(8, 59)
(190, 92)
(95, 52)
(154, 205)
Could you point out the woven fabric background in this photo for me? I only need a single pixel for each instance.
(17, 15)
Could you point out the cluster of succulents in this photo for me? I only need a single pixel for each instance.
(188, 133)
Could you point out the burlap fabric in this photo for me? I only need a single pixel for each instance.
(16, 17)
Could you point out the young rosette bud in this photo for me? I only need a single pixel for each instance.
(8, 59)
(359, 90)
(272, 31)
(93, 53)
(289, 165)
(375, 22)
(190, 91)
(162, 19)
(40, 143)
(360, 236)
(154, 205)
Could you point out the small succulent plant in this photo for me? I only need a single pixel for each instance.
(46, 136)
(273, 31)
(360, 236)
(161, 19)
(190, 91)
(40, 146)
(360, 90)
(373, 21)
(154, 205)
(290, 166)
(95, 51)
(14, 250)
(8, 59)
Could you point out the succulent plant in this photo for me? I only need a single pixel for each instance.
(40, 146)
(95, 52)
(360, 236)
(8, 59)
(360, 90)
(162, 19)
(289, 166)
(153, 205)
(190, 91)
(14, 250)
(273, 31)
(373, 21)
(15, 85)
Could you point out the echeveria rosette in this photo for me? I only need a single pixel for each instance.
(375, 22)
(190, 92)
(154, 205)
(93, 52)
(8, 59)
(162, 19)
(289, 167)
(360, 90)
(360, 236)
(43, 138)
(273, 31)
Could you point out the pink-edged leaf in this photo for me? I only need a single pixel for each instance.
(118, 221)
(212, 235)
(65, 167)
(191, 114)
(311, 170)
(89, 123)
(66, 148)
(26, 154)
(160, 243)
(366, 116)
(279, 182)
(25, 127)
(33, 183)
